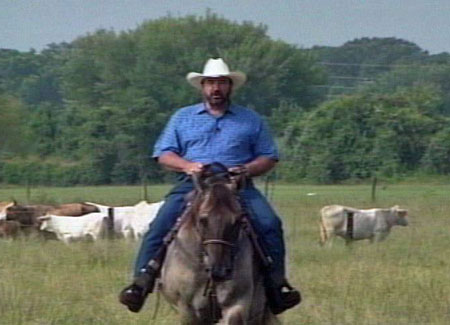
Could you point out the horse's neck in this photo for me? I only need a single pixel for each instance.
(245, 259)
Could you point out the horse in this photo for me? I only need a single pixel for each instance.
(211, 273)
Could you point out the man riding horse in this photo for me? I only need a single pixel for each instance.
(215, 130)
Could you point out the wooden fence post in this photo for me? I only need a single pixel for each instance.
(110, 227)
(28, 192)
(144, 189)
(374, 188)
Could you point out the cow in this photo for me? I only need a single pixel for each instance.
(143, 215)
(73, 209)
(117, 216)
(28, 215)
(131, 222)
(355, 224)
(4, 207)
(68, 228)
(9, 229)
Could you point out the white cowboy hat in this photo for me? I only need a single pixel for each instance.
(215, 68)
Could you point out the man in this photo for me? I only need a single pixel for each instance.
(214, 131)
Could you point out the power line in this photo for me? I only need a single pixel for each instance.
(350, 78)
(333, 87)
(368, 64)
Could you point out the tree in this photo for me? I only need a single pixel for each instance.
(13, 129)
(437, 156)
(358, 136)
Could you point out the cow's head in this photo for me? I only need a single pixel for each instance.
(4, 208)
(401, 215)
(44, 222)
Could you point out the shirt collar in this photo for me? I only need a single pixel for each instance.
(201, 108)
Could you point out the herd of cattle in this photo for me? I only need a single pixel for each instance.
(75, 221)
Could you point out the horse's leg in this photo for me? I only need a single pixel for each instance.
(187, 315)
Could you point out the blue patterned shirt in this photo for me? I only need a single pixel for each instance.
(237, 137)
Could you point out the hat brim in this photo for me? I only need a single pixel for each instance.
(195, 79)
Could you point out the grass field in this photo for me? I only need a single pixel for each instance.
(403, 280)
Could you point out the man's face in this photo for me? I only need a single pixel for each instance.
(216, 91)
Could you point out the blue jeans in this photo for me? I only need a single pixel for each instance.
(264, 220)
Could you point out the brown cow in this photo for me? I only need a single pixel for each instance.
(28, 215)
(73, 209)
(9, 229)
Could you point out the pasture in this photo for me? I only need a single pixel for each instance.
(403, 280)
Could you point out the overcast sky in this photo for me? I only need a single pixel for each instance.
(26, 24)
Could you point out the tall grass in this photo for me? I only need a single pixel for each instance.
(404, 280)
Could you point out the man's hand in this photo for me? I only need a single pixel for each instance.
(239, 170)
(193, 168)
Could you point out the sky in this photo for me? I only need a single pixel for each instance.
(26, 24)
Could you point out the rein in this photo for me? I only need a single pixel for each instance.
(215, 312)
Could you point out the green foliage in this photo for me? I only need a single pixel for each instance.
(436, 77)
(360, 136)
(360, 62)
(48, 173)
(437, 155)
(100, 102)
(13, 131)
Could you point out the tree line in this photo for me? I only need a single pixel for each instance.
(89, 111)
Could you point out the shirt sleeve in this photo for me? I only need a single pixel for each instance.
(265, 145)
(168, 141)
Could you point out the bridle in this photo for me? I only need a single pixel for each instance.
(218, 242)
(213, 172)
(216, 170)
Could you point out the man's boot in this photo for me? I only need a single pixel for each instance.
(134, 295)
(281, 297)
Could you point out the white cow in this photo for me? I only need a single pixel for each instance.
(131, 222)
(119, 214)
(143, 215)
(354, 224)
(68, 229)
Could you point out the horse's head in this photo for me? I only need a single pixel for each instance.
(217, 220)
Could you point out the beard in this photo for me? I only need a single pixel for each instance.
(217, 98)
